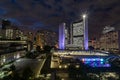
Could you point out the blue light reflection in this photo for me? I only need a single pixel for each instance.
(96, 62)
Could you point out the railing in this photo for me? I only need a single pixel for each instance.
(81, 53)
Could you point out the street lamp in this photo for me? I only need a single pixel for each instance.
(84, 16)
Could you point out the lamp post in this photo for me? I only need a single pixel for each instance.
(85, 23)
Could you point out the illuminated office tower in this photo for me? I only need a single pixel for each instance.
(62, 36)
(79, 34)
(5, 23)
(66, 36)
(71, 34)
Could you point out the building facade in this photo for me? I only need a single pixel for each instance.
(45, 37)
(76, 37)
(109, 41)
(11, 32)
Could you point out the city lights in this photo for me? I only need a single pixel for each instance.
(95, 62)
(59, 40)
(84, 15)
(62, 36)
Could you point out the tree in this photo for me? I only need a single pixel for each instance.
(12, 67)
(47, 48)
(28, 54)
(14, 76)
(27, 73)
(38, 48)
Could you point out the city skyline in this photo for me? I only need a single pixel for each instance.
(40, 14)
(59, 39)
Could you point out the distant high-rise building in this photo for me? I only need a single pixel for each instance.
(2, 34)
(92, 43)
(109, 41)
(39, 39)
(13, 33)
(30, 36)
(46, 37)
(5, 23)
(10, 31)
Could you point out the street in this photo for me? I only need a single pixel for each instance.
(34, 64)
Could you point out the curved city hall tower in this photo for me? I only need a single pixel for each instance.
(62, 36)
(78, 35)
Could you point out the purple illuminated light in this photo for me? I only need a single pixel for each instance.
(62, 36)
(95, 62)
(85, 21)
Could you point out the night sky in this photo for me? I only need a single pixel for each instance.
(48, 14)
